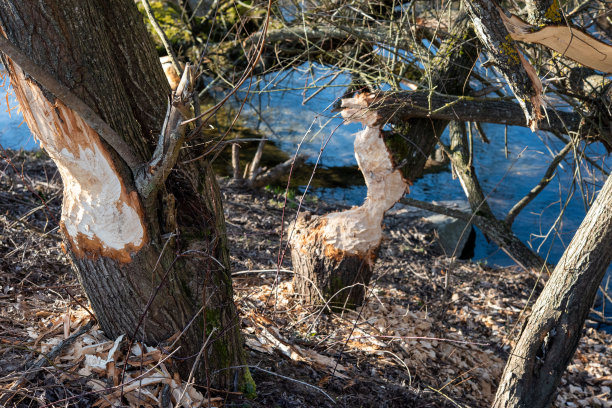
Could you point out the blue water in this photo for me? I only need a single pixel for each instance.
(14, 133)
(295, 113)
(279, 102)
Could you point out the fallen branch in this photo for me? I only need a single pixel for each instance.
(397, 107)
(492, 228)
(276, 172)
(338, 33)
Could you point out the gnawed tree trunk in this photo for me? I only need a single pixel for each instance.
(152, 258)
(550, 337)
(333, 255)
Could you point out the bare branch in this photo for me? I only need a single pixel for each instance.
(151, 176)
(518, 207)
(162, 36)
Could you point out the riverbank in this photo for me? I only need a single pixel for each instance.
(433, 333)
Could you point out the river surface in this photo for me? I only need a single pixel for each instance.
(293, 111)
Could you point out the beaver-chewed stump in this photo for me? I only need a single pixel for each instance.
(333, 255)
(325, 274)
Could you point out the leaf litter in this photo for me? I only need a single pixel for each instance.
(416, 342)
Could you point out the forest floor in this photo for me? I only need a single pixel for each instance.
(432, 333)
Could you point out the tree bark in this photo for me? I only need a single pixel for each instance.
(540, 12)
(550, 337)
(147, 266)
(339, 250)
(507, 58)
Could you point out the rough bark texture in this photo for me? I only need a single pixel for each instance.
(550, 337)
(594, 124)
(402, 106)
(507, 58)
(101, 51)
(414, 139)
(501, 233)
(541, 12)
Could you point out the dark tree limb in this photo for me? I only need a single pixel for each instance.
(507, 58)
(501, 233)
(398, 107)
(550, 337)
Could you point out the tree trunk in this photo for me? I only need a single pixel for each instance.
(148, 265)
(339, 250)
(550, 337)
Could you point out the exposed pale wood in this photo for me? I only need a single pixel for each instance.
(340, 280)
(567, 40)
(71, 100)
(339, 249)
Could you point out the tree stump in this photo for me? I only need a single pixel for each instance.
(325, 274)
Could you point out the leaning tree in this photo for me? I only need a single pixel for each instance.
(143, 227)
